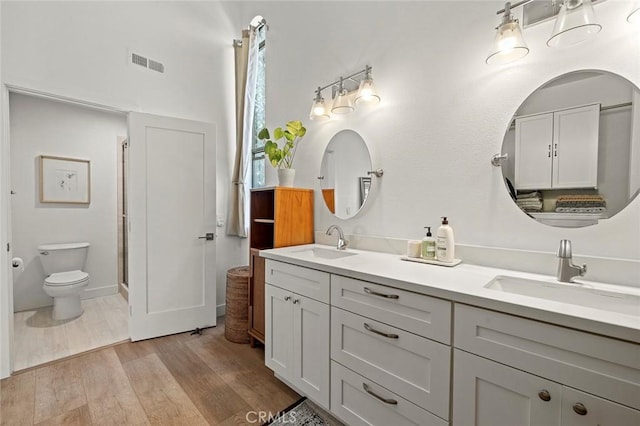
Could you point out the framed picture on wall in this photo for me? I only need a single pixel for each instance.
(64, 180)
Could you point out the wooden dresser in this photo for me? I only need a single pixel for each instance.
(280, 217)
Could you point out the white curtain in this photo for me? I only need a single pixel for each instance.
(246, 55)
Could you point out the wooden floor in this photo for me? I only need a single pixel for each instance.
(173, 380)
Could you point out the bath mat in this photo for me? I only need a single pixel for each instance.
(303, 413)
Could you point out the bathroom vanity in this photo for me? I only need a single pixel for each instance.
(379, 341)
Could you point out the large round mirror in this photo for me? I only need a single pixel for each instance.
(343, 176)
(574, 149)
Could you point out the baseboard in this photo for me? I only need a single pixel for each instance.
(221, 310)
(108, 290)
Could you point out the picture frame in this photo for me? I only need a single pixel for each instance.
(65, 180)
(365, 185)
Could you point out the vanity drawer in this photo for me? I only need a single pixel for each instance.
(411, 366)
(303, 281)
(417, 313)
(600, 365)
(355, 406)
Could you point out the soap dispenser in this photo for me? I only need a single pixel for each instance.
(444, 242)
(428, 245)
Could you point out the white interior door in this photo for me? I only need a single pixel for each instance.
(171, 199)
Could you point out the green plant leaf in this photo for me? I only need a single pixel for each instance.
(278, 133)
(264, 134)
(289, 136)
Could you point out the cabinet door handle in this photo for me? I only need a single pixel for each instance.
(287, 298)
(381, 333)
(549, 152)
(580, 409)
(544, 395)
(375, 293)
(555, 150)
(296, 301)
(375, 395)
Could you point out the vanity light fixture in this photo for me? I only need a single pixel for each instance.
(367, 92)
(576, 23)
(319, 109)
(343, 97)
(342, 104)
(508, 44)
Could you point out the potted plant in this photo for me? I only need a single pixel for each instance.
(282, 158)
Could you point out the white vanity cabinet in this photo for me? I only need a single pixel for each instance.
(510, 370)
(385, 364)
(297, 328)
(558, 149)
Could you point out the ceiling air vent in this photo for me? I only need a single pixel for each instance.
(156, 66)
(138, 60)
(147, 63)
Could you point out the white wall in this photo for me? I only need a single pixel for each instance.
(443, 112)
(45, 127)
(80, 50)
(6, 295)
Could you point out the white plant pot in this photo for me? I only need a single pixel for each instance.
(286, 176)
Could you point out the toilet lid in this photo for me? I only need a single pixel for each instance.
(66, 278)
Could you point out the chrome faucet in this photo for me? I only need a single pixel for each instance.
(567, 271)
(342, 243)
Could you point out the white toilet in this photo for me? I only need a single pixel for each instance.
(63, 263)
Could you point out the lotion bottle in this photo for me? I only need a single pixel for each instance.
(444, 242)
(428, 245)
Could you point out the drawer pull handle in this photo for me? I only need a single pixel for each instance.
(580, 409)
(296, 301)
(375, 293)
(373, 330)
(287, 298)
(375, 395)
(544, 395)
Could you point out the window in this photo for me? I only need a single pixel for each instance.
(259, 122)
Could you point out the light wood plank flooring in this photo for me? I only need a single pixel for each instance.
(173, 380)
(38, 338)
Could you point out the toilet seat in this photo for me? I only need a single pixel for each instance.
(66, 278)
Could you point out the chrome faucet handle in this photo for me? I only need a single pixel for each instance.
(564, 251)
(583, 270)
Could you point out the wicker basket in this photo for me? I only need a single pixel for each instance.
(236, 320)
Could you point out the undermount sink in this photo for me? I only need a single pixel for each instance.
(578, 294)
(326, 253)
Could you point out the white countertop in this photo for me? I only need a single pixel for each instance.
(465, 284)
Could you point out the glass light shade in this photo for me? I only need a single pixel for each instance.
(508, 44)
(367, 92)
(576, 23)
(318, 110)
(342, 104)
(634, 16)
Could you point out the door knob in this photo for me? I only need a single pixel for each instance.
(208, 236)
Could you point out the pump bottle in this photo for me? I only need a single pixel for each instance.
(444, 242)
(428, 245)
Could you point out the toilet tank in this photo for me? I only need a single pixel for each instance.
(63, 257)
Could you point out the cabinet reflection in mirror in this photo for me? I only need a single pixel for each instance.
(343, 174)
(574, 149)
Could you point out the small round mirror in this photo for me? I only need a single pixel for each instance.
(344, 180)
(574, 149)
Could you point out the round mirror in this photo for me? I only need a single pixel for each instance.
(574, 149)
(343, 176)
